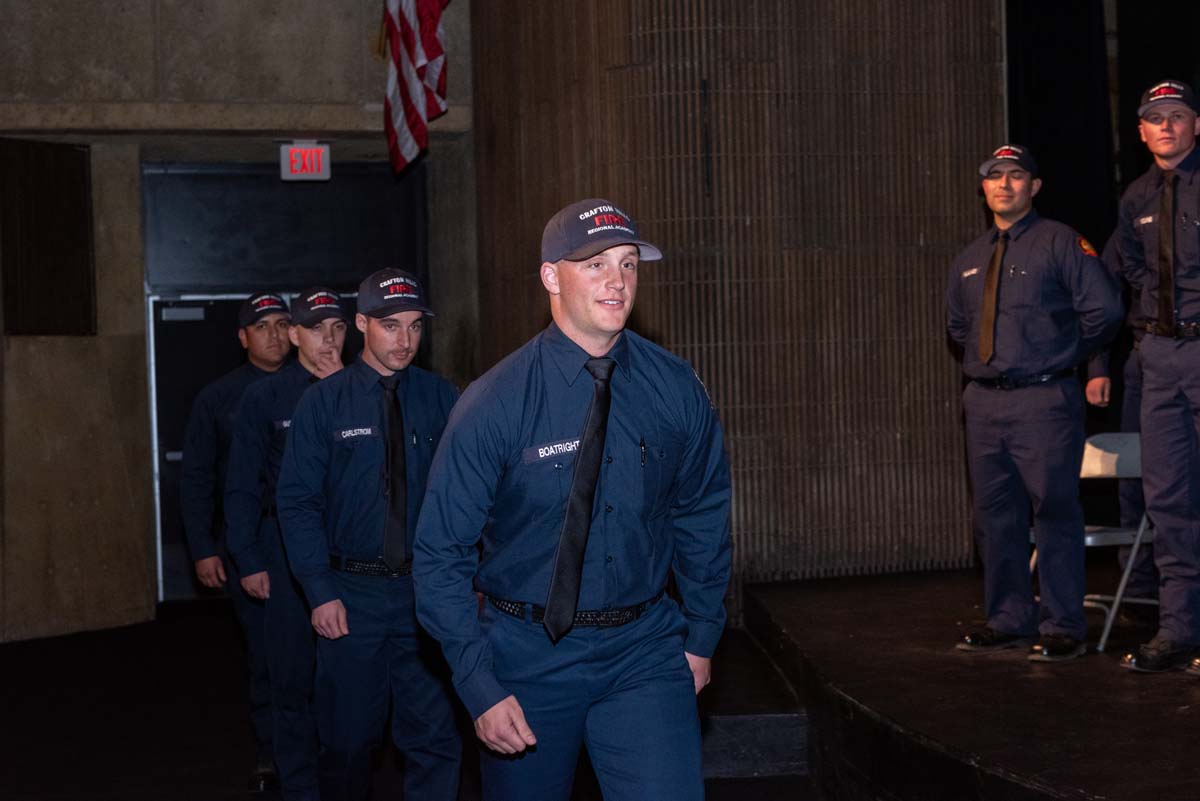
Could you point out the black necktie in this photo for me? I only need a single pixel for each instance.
(572, 541)
(395, 483)
(987, 317)
(1166, 255)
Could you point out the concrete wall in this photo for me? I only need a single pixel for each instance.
(198, 80)
(77, 496)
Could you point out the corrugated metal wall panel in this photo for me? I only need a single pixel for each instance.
(808, 168)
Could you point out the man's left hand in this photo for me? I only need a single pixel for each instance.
(701, 670)
(1098, 391)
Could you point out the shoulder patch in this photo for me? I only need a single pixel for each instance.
(1085, 246)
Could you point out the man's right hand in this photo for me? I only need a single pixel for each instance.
(1098, 391)
(257, 585)
(329, 619)
(503, 728)
(328, 363)
(211, 572)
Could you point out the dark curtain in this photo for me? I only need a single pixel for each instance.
(1058, 107)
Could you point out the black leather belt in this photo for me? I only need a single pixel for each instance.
(375, 567)
(1011, 382)
(598, 618)
(1189, 330)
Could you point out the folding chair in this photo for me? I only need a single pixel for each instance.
(1113, 455)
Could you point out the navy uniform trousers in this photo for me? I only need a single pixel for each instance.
(291, 662)
(1143, 579)
(251, 616)
(385, 657)
(1171, 478)
(625, 692)
(1025, 447)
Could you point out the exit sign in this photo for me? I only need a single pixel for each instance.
(304, 161)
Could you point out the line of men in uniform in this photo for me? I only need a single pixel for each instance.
(530, 527)
(1028, 301)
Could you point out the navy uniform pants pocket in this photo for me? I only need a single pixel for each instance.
(625, 693)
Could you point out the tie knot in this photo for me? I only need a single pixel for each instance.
(1004, 236)
(1170, 177)
(390, 382)
(601, 368)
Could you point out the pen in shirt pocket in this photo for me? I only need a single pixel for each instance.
(642, 446)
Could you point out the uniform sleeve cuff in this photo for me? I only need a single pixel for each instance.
(319, 590)
(702, 638)
(481, 692)
(249, 561)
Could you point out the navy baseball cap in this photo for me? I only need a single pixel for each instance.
(315, 304)
(1168, 92)
(386, 292)
(256, 307)
(1015, 154)
(587, 227)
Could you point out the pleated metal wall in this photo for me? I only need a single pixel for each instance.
(808, 168)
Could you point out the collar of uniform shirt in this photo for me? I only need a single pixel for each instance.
(1019, 227)
(367, 378)
(1186, 169)
(570, 358)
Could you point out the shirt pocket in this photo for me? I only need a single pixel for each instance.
(660, 457)
(1023, 285)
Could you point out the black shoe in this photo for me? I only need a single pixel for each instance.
(988, 639)
(264, 779)
(1056, 648)
(1159, 655)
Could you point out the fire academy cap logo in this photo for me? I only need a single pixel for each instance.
(1167, 90)
(401, 288)
(265, 303)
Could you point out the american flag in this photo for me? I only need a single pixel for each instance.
(416, 85)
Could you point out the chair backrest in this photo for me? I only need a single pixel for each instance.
(1112, 455)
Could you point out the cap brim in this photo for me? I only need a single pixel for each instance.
(991, 164)
(388, 311)
(254, 318)
(646, 251)
(318, 316)
(1162, 101)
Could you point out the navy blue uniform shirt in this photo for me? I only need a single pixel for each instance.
(205, 456)
(330, 493)
(503, 471)
(259, 434)
(1137, 239)
(1099, 362)
(1057, 303)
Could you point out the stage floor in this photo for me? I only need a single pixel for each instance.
(158, 712)
(895, 712)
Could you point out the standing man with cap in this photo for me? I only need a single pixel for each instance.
(591, 464)
(1158, 238)
(350, 488)
(1027, 301)
(263, 322)
(260, 430)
